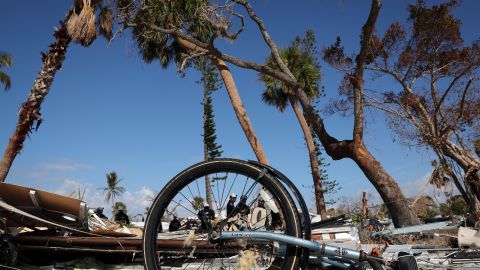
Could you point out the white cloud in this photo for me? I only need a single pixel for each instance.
(65, 166)
(92, 196)
(138, 200)
(417, 186)
(71, 186)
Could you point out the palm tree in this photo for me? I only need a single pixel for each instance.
(112, 189)
(169, 48)
(79, 26)
(300, 59)
(5, 61)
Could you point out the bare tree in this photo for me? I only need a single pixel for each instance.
(436, 101)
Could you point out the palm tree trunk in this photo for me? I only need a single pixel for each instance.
(240, 111)
(237, 104)
(208, 186)
(29, 113)
(317, 183)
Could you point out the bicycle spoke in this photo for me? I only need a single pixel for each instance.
(185, 207)
(224, 185)
(230, 190)
(213, 195)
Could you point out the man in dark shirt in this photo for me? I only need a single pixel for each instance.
(174, 224)
(243, 208)
(206, 216)
(122, 217)
(99, 213)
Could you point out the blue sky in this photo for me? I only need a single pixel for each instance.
(107, 110)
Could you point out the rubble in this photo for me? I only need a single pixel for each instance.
(50, 229)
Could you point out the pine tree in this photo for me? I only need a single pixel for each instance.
(210, 82)
(330, 186)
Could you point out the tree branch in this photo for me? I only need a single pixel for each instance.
(379, 105)
(266, 37)
(196, 45)
(433, 93)
(189, 57)
(391, 73)
(357, 79)
(462, 101)
(221, 26)
(424, 114)
(452, 84)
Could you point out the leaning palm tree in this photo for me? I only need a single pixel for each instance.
(79, 26)
(5, 61)
(300, 59)
(112, 189)
(169, 48)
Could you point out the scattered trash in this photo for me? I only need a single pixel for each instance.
(36, 222)
(188, 241)
(468, 238)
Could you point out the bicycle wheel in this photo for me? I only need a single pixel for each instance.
(179, 226)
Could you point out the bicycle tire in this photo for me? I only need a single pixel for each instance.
(291, 220)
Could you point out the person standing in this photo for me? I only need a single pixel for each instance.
(174, 224)
(231, 204)
(206, 216)
(122, 217)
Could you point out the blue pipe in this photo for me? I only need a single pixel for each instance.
(325, 250)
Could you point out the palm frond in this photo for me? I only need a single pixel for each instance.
(108, 195)
(81, 27)
(5, 60)
(106, 23)
(5, 80)
(300, 59)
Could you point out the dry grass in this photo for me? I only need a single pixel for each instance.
(246, 260)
